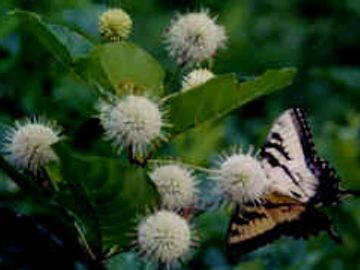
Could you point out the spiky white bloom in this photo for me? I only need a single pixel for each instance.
(196, 78)
(176, 185)
(115, 24)
(28, 144)
(133, 122)
(194, 37)
(164, 237)
(241, 178)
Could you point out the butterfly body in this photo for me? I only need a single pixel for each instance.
(300, 182)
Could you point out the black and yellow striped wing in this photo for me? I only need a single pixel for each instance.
(292, 164)
(254, 226)
(300, 181)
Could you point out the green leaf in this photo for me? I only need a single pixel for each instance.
(128, 260)
(191, 108)
(25, 183)
(72, 196)
(106, 195)
(220, 96)
(120, 65)
(191, 147)
(64, 43)
(270, 81)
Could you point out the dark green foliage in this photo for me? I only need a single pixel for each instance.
(55, 244)
(106, 195)
(99, 196)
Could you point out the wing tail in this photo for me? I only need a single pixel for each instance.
(334, 235)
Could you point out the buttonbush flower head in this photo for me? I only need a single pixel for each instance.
(194, 37)
(133, 122)
(115, 24)
(176, 185)
(164, 237)
(196, 78)
(241, 178)
(28, 144)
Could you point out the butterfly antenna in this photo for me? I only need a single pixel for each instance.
(349, 192)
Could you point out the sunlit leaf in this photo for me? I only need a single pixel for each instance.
(220, 96)
(124, 66)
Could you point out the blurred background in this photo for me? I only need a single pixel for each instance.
(320, 38)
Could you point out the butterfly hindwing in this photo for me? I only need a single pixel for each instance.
(254, 226)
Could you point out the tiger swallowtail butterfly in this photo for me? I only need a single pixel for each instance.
(300, 183)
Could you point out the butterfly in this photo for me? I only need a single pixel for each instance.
(301, 182)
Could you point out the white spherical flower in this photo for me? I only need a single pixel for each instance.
(164, 237)
(115, 24)
(176, 185)
(196, 78)
(28, 144)
(194, 37)
(133, 122)
(241, 178)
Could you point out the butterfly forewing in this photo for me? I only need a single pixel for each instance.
(287, 157)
